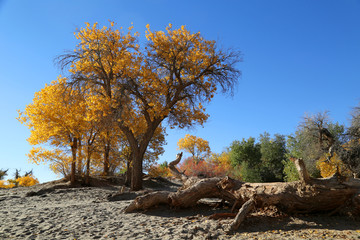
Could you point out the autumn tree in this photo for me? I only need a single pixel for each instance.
(160, 170)
(55, 117)
(221, 163)
(196, 146)
(170, 78)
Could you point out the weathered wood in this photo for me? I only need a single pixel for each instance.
(204, 188)
(308, 195)
(147, 201)
(174, 170)
(303, 173)
(243, 212)
(217, 216)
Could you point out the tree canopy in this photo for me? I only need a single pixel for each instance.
(171, 77)
(196, 146)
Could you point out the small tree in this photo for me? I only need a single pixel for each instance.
(196, 146)
(56, 117)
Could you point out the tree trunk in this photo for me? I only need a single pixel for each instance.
(128, 173)
(138, 148)
(308, 195)
(137, 173)
(106, 158)
(79, 158)
(88, 157)
(73, 162)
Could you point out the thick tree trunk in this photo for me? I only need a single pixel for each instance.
(73, 162)
(137, 173)
(305, 196)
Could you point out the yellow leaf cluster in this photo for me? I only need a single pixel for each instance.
(111, 59)
(104, 51)
(329, 167)
(196, 146)
(27, 181)
(6, 184)
(222, 159)
(190, 50)
(159, 171)
(55, 113)
(58, 159)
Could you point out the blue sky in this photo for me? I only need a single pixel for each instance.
(298, 57)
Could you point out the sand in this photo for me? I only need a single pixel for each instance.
(55, 211)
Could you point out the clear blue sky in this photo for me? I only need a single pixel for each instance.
(299, 56)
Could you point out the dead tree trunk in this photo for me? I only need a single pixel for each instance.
(308, 195)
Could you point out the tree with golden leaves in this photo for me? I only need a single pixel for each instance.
(55, 117)
(171, 78)
(196, 146)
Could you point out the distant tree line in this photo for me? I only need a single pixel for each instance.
(326, 148)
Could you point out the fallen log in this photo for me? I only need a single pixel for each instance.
(309, 195)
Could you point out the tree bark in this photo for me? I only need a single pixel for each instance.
(73, 162)
(106, 157)
(308, 195)
(128, 173)
(173, 169)
(137, 173)
(79, 158)
(244, 210)
(88, 159)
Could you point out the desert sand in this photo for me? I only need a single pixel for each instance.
(55, 211)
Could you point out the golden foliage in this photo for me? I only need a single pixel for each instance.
(196, 146)
(328, 167)
(58, 159)
(221, 161)
(162, 79)
(55, 113)
(159, 171)
(116, 81)
(27, 181)
(6, 184)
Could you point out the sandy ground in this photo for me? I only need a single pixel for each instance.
(50, 211)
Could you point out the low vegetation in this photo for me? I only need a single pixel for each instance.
(26, 180)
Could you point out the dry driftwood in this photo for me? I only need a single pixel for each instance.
(308, 195)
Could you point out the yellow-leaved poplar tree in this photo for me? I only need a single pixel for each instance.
(55, 117)
(196, 146)
(171, 78)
